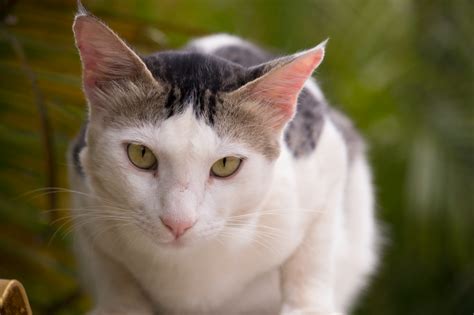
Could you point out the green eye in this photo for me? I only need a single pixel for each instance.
(141, 156)
(226, 166)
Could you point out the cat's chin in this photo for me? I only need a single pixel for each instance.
(179, 244)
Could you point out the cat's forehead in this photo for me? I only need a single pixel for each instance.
(184, 135)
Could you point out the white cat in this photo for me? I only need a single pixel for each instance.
(216, 180)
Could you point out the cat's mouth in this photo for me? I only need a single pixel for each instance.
(177, 243)
(198, 235)
(170, 242)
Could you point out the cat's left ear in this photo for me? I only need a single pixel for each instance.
(105, 56)
(274, 94)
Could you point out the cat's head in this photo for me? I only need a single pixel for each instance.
(183, 142)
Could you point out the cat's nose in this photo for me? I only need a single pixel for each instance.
(176, 226)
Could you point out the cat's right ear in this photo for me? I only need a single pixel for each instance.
(273, 95)
(105, 57)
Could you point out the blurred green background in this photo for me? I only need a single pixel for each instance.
(402, 69)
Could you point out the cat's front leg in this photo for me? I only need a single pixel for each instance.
(118, 311)
(114, 290)
(308, 276)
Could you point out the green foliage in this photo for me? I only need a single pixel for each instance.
(403, 70)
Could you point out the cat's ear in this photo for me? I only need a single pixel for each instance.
(105, 57)
(274, 94)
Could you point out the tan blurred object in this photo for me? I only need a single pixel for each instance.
(13, 299)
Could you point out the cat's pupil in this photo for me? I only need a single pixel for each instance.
(224, 160)
(143, 151)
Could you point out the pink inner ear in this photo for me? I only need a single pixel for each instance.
(89, 55)
(90, 59)
(88, 32)
(104, 55)
(281, 87)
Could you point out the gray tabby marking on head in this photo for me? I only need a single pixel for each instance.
(197, 77)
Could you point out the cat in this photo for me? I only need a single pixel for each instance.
(216, 179)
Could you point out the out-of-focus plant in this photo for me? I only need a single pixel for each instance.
(403, 70)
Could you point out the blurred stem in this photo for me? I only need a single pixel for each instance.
(5, 7)
(45, 125)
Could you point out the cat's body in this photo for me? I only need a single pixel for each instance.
(303, 236)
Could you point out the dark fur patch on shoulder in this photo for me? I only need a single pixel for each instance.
(302, 133)
(78, 144)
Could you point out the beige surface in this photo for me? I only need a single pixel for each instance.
(13, 299)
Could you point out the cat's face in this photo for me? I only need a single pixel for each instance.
(182, 186)
(183, 143)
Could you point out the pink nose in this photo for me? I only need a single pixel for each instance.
(176, 226)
